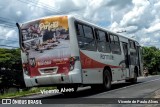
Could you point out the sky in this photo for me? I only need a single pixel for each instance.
(140, 19)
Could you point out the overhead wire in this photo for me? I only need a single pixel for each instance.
(4, 22)
(9, 46)
(42, 6)
(9, 40)
(52, 9)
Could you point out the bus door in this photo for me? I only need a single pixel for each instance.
(126, 59)
(139, 60)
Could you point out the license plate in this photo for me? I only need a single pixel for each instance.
(48, 70)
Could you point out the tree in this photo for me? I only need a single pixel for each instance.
(151, 56)
(10, 68)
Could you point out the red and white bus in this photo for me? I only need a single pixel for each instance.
(64, 51)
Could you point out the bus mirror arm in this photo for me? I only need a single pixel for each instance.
(20, 37)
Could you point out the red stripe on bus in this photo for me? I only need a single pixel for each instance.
(88, 62)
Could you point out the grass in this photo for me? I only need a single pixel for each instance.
(25, 93)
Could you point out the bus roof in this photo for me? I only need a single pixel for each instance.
(85, 22)
(43, 18)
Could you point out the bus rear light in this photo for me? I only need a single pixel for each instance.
(26, 72)
(24, 65)
(72, 61)
(25, 68)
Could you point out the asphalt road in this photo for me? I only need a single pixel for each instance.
(142, 89)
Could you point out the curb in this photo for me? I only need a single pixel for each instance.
(153, 94)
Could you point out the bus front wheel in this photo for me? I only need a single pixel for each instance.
(133, 80)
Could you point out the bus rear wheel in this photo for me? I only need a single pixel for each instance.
(106, 80)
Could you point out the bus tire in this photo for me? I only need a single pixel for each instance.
(133, 80)
(106, 80)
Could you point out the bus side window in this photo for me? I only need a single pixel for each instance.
(132, 44)
(116, 40)
(88, 32)
(102, 42)
(111, 39)
(115, 44)
(89, 40)
(85, 37)
(79, 30)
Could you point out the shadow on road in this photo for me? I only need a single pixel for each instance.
(89, 92)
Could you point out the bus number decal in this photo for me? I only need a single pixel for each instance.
(105, 57)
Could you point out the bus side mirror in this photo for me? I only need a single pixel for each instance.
(20, 37)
